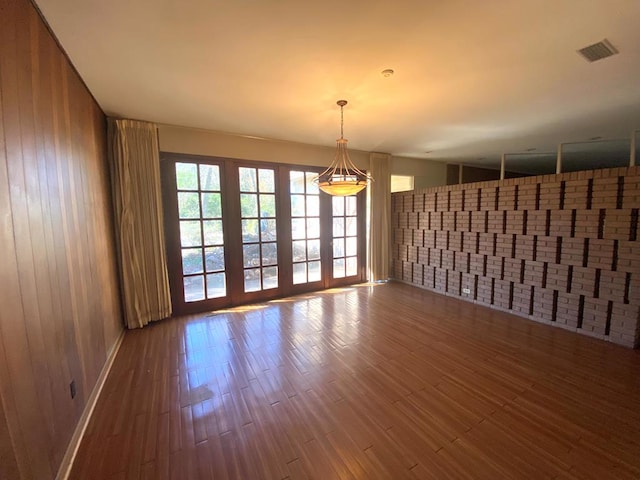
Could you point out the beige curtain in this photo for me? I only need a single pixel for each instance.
(379, 217)
(135, 180)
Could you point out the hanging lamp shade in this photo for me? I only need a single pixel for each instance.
(342, 177)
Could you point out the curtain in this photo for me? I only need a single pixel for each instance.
(135, 179)
(379, 217)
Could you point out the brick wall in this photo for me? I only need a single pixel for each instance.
(560, 249)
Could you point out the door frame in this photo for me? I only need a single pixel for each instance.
(232, 234)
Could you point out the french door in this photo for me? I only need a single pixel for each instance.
(258, 234)
(240, 232)
(306, 241)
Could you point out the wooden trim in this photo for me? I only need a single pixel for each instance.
(83, 422)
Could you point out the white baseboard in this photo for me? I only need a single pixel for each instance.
(76, 438)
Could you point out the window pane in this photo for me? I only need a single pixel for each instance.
(188, 205)
(248, 205)
(314, 272)
(193, 288)
(211, 205)
(313, 249)
(299, 251)
(313, 228)
(191, 261)
(251, 255)
(297, 228)
(338, 247)
(213, 232)
(269, 254)
(209, 177)
(190, 233)
(252, 280)
(266, 179)
(311, 187)
(250, 231)
(352, 246)
(214, 259)
(187, 176)
(352, 266)
(216, 285)
(270, 277)
(402, 183)
(268, 205)
(352, 226)
(299, 273)
(268, 232)
(296, 182)
(297, 205)
(247, 179)
(313, 205)
(338, 227)
(338, 206)
(338, 268)
(352, 206)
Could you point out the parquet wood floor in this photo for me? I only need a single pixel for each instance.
(368, 382)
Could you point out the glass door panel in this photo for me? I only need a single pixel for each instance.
(259, 228)
(305, 227)
(345, 236)
(201, 231)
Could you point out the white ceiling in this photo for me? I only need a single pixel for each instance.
(473, 79)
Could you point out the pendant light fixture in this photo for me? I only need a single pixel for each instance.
(342, 178)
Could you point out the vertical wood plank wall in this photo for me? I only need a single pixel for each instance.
(561, 249)
(59, 301)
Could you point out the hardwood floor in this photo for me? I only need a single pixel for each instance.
(371, 382)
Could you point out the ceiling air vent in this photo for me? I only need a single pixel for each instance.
(598, 51)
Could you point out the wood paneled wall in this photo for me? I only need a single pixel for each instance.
(59, 301)
(561, 249)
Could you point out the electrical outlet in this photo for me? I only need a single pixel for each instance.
(72, 389)
(466, 290)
